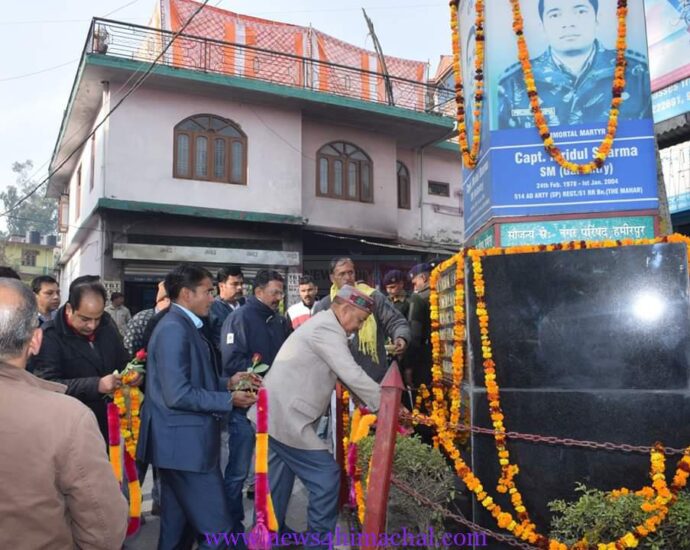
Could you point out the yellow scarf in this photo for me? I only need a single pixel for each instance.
(368, 333)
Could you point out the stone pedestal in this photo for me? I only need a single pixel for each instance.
(589, 344)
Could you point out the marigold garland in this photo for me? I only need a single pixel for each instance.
(658, 498)
(618, 88)
(345, 403)
(458, 358)
(441, 412)
(506, 482)
(469, 156)
(130, 470)
(362, 422)
(124, 423)
(128, 401)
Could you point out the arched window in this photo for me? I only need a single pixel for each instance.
(404, 200)
(211, 148)
(344, 171)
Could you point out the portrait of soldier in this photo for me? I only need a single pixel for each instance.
(574, 74)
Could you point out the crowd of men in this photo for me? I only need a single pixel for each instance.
(202, 337)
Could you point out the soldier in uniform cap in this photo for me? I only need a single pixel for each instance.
(574, 75)
(394, 282)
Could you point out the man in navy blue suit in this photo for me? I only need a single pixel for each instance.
(186, 404)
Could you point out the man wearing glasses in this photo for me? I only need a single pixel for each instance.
(255, 328)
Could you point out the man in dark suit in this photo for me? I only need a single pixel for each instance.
(82, 348)
(186, 403)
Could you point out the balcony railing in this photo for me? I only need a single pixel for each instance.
(144, 44)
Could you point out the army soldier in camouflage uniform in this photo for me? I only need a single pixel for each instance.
(574, 75)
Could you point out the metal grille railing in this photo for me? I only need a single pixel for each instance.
(144, 44)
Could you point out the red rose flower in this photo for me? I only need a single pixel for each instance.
(256, 359)
(141, 355)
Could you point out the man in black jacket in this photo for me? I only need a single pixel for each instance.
(419, 352)
(255, 328)
(82, 348)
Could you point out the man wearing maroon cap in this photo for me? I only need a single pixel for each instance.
(299, 384)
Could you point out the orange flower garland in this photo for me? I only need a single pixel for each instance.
(129, 415)
(458, 359)
(436, 368)
(616, 100)
(439, 410)
(443, 414)
(508, 470)
(124, 423)
(345, 401)
(469, 156)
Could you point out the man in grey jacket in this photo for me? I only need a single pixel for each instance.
(368, 344)
(299, 385)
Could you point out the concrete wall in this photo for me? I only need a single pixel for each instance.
(91, 162)
(87, 260)
(140, 154)
(442, 219)
(430, 218)
(134, 161)
(379, 217)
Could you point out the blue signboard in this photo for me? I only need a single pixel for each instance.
(572, 52)
(673, 100)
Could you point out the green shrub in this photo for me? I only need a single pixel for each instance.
(421, 467)
(599, 518)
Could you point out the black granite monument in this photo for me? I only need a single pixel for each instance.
(589, 344)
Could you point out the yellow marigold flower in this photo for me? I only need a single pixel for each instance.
(629, 540)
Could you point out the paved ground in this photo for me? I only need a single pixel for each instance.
(147, 538)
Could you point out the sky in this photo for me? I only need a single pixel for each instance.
(42, 41)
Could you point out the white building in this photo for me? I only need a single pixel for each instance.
(231, 152)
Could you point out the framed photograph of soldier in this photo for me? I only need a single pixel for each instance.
(572, 52)
(572, 47)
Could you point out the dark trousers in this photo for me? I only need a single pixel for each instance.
(241, 444)
(192, 505)
(319, 473)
